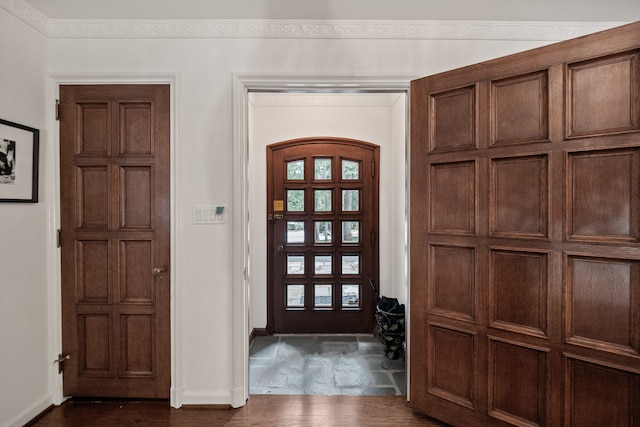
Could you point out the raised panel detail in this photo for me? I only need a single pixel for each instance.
(136, 197)
(517, 383)
(94, 356)
(452, 357)
(93, 272)
(453, 198)
(604, 95)
(137, 345)
(93, 129)
(136, 129)
(93, 197)
(518, 291)
(603, 303)
(520, 109)
(604, 195)
(519, 197)
(597, 395)
(136, 263)
(452, 281)
(453, 116)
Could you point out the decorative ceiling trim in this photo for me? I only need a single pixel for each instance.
(27, 13)
(272, 29)
(290, 29)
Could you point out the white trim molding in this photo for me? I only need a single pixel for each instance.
(27, 13)
(296, 99)
(305, 29)
(274, 29)
(242, 84)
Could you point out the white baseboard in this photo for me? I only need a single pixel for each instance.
(206, 397)
(175, 397)
(29, 413)
(238, 397)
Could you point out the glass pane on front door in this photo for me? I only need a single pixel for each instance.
(322, 200)
(322, 169)
(322, 295)
(295, 264)
(295, 295)
(350, 264)
(350, 170)
(295, 200)
(351, 295)
(323, 264)
(323, 231)
(295, 232)
(295, 170)
(350, 231)
(350, 200)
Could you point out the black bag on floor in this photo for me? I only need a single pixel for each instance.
(391, 317)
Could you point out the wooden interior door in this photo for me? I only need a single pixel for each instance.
(115, 237)
(322, 228)
(525, 237)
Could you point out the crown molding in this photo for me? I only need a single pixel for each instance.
(27, 13)
(288, 29)
(272, 29)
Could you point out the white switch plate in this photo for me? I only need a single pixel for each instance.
(207, 214)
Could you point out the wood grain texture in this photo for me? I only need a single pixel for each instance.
(260, 410)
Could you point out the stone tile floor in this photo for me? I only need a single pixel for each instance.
(350, 365)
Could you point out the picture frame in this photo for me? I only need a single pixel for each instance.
(19, 153)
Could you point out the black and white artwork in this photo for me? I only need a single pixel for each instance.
(18, 163)
(7, 161)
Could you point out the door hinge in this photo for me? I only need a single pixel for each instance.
(373, 168)
(58, 239)
(57, 109)
(60, 361)
(373, 238)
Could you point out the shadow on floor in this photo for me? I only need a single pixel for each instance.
(349, 365)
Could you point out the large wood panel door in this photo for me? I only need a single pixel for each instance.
(525, 237)
(322, 227)
(115, 207)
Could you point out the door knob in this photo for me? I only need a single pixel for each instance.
(280, 247)
(158, 270)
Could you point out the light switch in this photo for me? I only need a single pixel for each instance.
(209, 214)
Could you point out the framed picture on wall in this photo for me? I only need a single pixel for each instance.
(18, 163)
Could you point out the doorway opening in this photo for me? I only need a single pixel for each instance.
(268, 111)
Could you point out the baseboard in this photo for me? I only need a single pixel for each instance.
(206, 397)
(175, 397)
(258, 332)
(31, 414)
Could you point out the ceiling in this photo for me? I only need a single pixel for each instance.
(615, 11)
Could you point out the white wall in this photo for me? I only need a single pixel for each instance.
(377, 118)
(24, 385)
(203, 152)
(201, 70)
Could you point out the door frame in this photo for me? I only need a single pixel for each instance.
(54, 269)
(242, 85)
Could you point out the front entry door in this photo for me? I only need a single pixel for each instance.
(322, 235)
(115, 234)
(525, 237)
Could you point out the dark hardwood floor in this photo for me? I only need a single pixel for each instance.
(260, 410)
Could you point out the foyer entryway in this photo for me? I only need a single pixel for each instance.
(347, 365)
